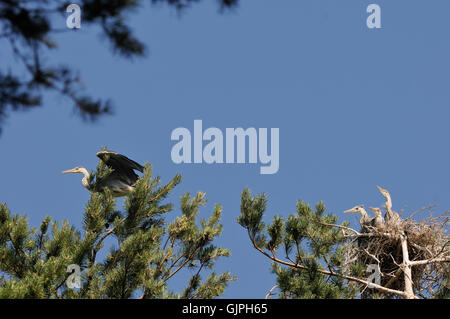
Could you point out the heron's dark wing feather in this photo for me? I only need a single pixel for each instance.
(123, 170)
(119, 162)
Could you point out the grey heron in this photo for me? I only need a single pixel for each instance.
(121, 181)
(378, 220)
(390, 216)
(365, 219)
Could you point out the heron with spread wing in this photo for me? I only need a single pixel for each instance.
(121, 181)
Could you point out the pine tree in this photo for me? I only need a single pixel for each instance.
(148, 251)
(312, 250)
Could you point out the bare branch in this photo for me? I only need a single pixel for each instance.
(270, 292)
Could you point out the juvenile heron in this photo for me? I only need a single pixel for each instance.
(121, 181)
(378, 220)
(390, 216)
(365, 219)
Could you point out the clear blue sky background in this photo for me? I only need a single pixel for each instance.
(356, 108)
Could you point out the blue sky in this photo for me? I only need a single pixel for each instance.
(355, 107)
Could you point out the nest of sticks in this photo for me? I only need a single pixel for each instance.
(428, 253)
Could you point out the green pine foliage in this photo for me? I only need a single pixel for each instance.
(147, 250)
(312, 251)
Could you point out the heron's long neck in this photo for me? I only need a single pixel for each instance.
(86, 176)
(388, 204)
(364, 214)
(364, 217)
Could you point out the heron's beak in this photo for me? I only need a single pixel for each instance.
(350, 211)
(69, 171)
(373, 209)
(384, 192)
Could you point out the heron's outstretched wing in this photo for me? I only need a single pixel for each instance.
(123, 166)
(118, 161)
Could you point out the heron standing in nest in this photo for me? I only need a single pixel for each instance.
(391, 217)
(121, 181)
(378, 220)
(365, 219)
(365, 222)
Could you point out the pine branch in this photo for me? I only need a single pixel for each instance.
(187, 259)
